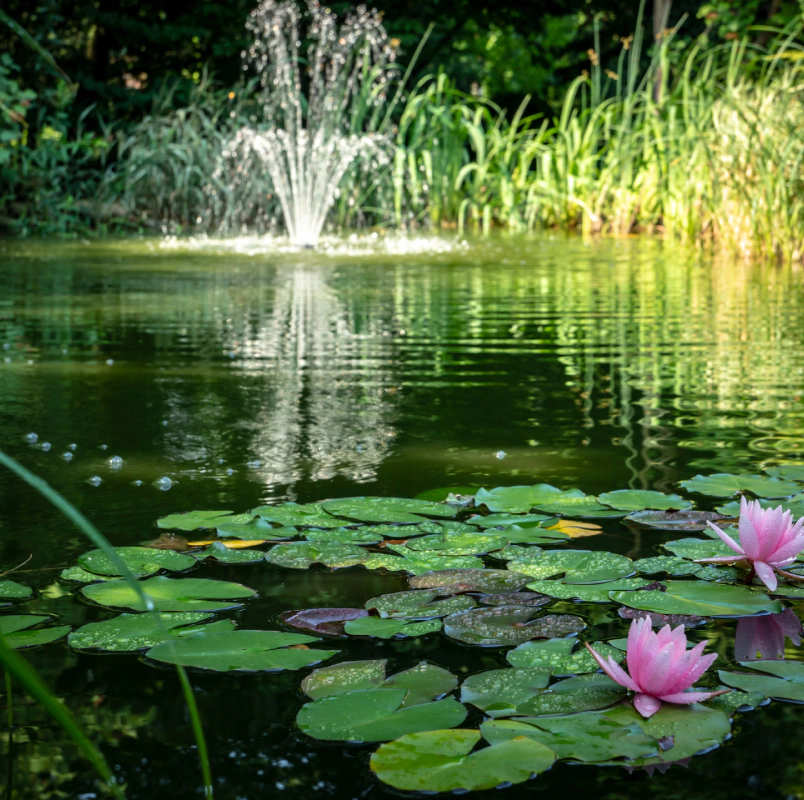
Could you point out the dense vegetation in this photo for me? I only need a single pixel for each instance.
(565, 114)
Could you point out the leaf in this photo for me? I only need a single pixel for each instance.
(80, 575)
(574, 503)
(11, 590)
(386, 509)
(690, 520)
(444, 526)
(696, 549)
(302, 555)
(505, 625)
(201, 520)
(589, 737)
(424, 682)
(129, 632)
(418, 604)
(582, 693)
(168, 594)
(375, 715)
(419, 562)
(219, 552)
(515, 599)
(787, 472)
(577, 566)
(515, 499)
(242, 651)
(329, 621)
(256, 528)
(640, 500)
(557, 655)
(390, 628)
(701, 599)
(168, 541)
(723, 484)
(362, 536)
(672, 565)
(777, 688)
(574, 529)
(736, 701)
(499, 692)
(586, 593)
(458, 544)
(442, 761)
(440, 495)
(292, 515)
(15, 630)
(794, 504)
(140, 560)
(508, 520)
(454, 581)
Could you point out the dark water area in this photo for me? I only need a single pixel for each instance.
(247, 375)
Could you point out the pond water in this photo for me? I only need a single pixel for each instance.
(250, 375)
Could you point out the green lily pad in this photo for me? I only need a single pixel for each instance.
(641, 499)
(458, 544)
(302, 555)
(577, 566)
(80, 575)
(506, 625)
(440, 495)
(11, 590)
(392, 563)
(589, 737)
(228, 555)
(168, 594)
(794, 504)
(723, 484)
(201, 520)
(787, 472)
(701, 599)
(375, 715)
(586, 593)
(499, 692)
(784, 680)
(241, 651)
(423, 683)
(736, 701)
(386, 509)
(292, 515)
(515, 599)
(671, 565)
(455, 581)
(361, 536)
(696, 549)
(444, 526)
(16, 634)
(689, 520)
(390, 628)
(130, 632)
(442, 761)
(421, 561)
(507, 520)
(140, 560)
(709, 572)
(516, 499)
(533, 535)
(558, 656)
(256, 528)
(575, 503)
(418, 604)
(581, 693)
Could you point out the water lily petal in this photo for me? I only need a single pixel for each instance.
(726, 538)
(687, 698)
(647, 705)
(613, 670)
(766, 574)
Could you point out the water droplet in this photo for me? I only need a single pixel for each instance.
(72, 447)
(164, 483)
(45, 446)
(7, 360)
(164, 423)
(115, 462)
(95, 481)
(500, 455)
(109, 362)
(230, 471)
(6, 346)
(104, 447)
(68, 456)
(136, 483)
(31, 438)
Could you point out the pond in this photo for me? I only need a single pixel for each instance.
(236, 375)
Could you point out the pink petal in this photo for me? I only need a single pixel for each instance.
(647, 705)
(726, 538)
(685, 698)
(749, 538)
(766, 574)
(684, 667)
(788, 550)
(613, 670)
(656, 675)
(721, 559)
(640, 635)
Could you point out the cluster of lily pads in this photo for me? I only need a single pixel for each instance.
(485, 568)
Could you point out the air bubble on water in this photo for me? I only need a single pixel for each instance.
(115, 462)
(68, 456)
(221, 461)
(30, 362)
(64, 351)
(136, 483)
(72, 447)
(31, 438)
(230, 471)
(6, 346)
(500, 455)
(45, 446)
(164, 423)
(104, 447)
(254, 464)
(164, 483)
(7, 360)
(109, 362)
(95, 480)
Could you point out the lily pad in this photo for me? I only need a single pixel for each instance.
(386, 509)
(558, 656)
(390, 628)
(641, 499)
(586, 593)
(444, 526)
(361, 536)
(241, 651)
(794, 504)
(784, 680)
(15, 629)
(701, 599)
(302, 555)
(455, 581)
(737, 701)
(787, 472)
(418, 562)
(506, 625)
(418, 604)
(575, 503)
(443, 761)
(671, 565)
(375, 715)
(499, 692)
(423, 683)
(577, 566)
(226, 555)
(581, 693)
(588, 737)
(723, 484)
(696, 549)
(256, 528)
(534, 535)
(201, 520)
(11, 590)
(516, 499)
(292, 515)
(130, 632)
(458, 544)
(140, 560)
(168, 594)
(441, 495)
(515, 599)
(329, 621)
(690, 520)
(80, 575)
(507, 520)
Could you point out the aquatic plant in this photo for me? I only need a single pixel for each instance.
(660, 666)
(769, 540)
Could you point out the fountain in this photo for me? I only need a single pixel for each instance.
(319, 121)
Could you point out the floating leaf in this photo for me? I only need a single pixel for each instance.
(589, 737)
(784, 680)
(256, 528)
(574, 529)
(292, 515)
(375, 715)
(575, 503)
(577, 566)
(242, 651)
(361, 536)
(586, 593)
(226, 555)
(696, 549)
(794, 504)
(441, 495)
(80, 575)
(499, 692)
(442, 761)
(423, 683)
(690, 520)
(515, 599)
(444, 526)
(329, 621)
(641, 499)
(582, 693)
(516, 499)
(386, 509)
(507, 520)
(736, 701)
(201, 520)
(418, 604)
(672, 565)
(168, 541)
(723, 484)
(419, 561)
(787, 472)
(302, 555)
(140, 560)
(11, 590)
(536, 535)
(458, 544)
(455, 581)
(701, 599)
(390, 628)
(558, 656)
(168, 594)
(657, 620)
(505, 625)
(15, 630)
(129, 632)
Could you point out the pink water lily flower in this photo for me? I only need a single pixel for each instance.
(768, 540)
(660, 666)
